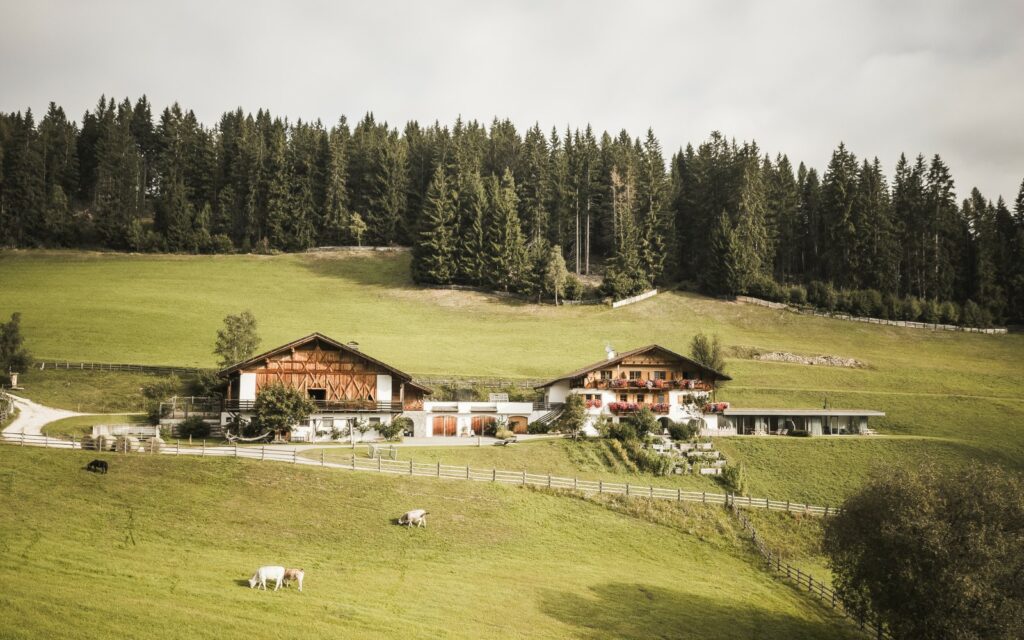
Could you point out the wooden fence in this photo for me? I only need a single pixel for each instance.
(804, 580)
(438, 470)
(106, 366)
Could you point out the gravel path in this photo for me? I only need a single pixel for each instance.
(32, 417)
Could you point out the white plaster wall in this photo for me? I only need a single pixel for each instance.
(558, 391)
(247, 386)
(383, 388)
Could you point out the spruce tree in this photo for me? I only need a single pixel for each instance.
(509, 257)
(433, 259)
(474, 247)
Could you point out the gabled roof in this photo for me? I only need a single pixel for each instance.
(627, 354)
(330, 341)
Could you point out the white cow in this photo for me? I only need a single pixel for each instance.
(414, 518)
(259, 579)
(294, 574)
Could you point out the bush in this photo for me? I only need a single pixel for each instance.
(573, 288)
(975, 315)
(194, 427)
(220, 243)
(734, 479)
(682, 431)
(207, 383)
(622, 431)
(504, 434)
(911, 309)
(797, 295)
(892, 307)
(822, 294)
(538, 427)
(767, 289)
(931, 311)
(393, 430)
(644, 423)
(950, 312)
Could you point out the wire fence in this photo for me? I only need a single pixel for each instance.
(804, 580)
(412, 468)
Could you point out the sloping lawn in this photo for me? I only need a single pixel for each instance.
(160, 548)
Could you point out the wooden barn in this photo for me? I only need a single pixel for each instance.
(343, 381)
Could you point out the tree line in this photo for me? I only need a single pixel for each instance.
(488, 206)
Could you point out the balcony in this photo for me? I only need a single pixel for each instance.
(345, 406)
(647, 385)
(626, 408)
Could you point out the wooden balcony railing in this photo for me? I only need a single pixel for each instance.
(647, 385)
(358, 406)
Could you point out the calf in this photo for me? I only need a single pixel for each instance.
(97, 466)
(414, 518)
(259, 579)
(294, 574)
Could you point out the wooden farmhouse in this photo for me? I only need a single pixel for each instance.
(347, 386)
(344, 382)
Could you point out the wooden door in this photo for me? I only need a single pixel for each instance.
(444, 425)
(517, 424)
(480, 424)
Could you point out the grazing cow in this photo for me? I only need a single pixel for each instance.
(97, 466)
(294, 574)
(414, 518)
(259, 579)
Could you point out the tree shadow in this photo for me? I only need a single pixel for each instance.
(624, 611)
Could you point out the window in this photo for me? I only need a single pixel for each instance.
(660, 399)
(640, 397)
(374, 420)
(634, 375)
(606, 375)
(317, 394)
(623, 397)
(659, 375)
(328, 423)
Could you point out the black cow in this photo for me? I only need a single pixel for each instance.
(97, 466)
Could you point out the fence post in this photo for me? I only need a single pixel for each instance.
(353, 462)
(467, 472)
(203, 454)
(787, 506)
(679, 495)
(23, 438)
(524, 478)
(575, 484)
(810, 583)
(704, 497)
(826, 510)
(767, 505)
(72, 441)
(263, 453)
(549, 481)
(833, 599)
(750, 501)
(627, 489)
(295, 456)
(177, 447)
(236, 449)
(494, 475)
(438, 469)
(46, 440)
(600, 486)
(410, 464)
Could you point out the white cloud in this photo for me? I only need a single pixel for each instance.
(930, 77)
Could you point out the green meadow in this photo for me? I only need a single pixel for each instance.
(165, 545)
(959, 392)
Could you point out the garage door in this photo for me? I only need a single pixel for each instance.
(482, 423)
(517, 424)
(444, 425)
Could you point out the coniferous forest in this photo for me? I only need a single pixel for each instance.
(491, 207)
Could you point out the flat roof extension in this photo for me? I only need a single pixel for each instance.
(804, 412)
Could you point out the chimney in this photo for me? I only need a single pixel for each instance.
(353, 345)
(610, 352)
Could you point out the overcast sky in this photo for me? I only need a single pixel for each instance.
(799, 77)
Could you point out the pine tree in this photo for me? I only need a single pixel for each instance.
(839, 187)
(434, 254)
(474, 248)
(336, 217)
(119, 194)
(508, 253)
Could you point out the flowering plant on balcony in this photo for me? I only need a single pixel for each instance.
(660, 384)
(660, 407)
(716, 407)
(619, 383)
(623, 407)
(593, 404)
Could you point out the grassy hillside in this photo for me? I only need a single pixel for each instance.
(962, 390)
(161, 547)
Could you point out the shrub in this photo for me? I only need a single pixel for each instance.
(975, 316)
(767, 289)
(194, 427)
(573, 288)
(644, 423)
(734, 479)
(504, 434)
(822, 294)
(931, 311)
(622, 430)
(220, 243)
(681, 431)
(950, 312)
(394, 429)
(538, 427)
(911, 309)
(892, 307)
(797, 295)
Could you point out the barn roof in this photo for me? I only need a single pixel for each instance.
(405, 377)
(717, 375)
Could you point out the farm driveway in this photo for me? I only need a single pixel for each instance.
(33, 417)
